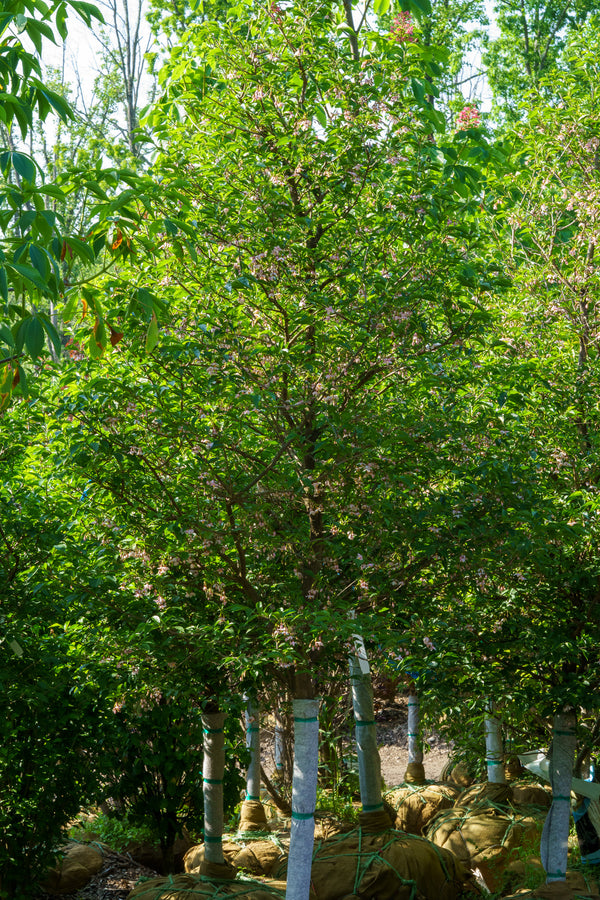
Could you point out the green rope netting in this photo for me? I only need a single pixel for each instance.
(242, 837)
(418, 790)
(365, 857)
(459, 816)
(220, 888)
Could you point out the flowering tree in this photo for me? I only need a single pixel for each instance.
(320, 240)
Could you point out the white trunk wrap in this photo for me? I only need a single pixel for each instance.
(369, 763)
(494, 750)
(213, 767)
(554, 843)
(278, 743)
(415, 751)
(253, 744)
(304, 798)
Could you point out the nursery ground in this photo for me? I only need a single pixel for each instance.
(120, 872)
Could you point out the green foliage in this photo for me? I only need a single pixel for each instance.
(153, 764)
(53, 719)
(531, 39)
(117, 831)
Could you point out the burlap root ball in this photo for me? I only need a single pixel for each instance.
(457, 773)
(387, 866)
(255, 857)
(194, 887)
(525, 793)
(415, 773)
(578, 886)
(79, 865)
(416, 805)
(485, 794)
(253, 816)
(485, 838)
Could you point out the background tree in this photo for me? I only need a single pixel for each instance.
(532, 37)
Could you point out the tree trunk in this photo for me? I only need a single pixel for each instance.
(253, 816)
(304, 797)
(415, 772)
(554, 843)
(369, 763)
(253, 744)
(494, 750)
(212, 776)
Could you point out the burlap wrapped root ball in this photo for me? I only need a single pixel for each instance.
(415, 805)
(253, 816)
(256, 857)
(78, 866)
(578, 886)
(196, 887)
(486, 794)
(385, 866)
(485, 838)
(457, 772)
(527, 793)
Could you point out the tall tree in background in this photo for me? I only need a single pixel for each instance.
(532, 37)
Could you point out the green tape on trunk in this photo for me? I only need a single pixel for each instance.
(251, 797)
(361, 723)
(373, 808)
(212, 730)
(212, 780)
(302, 816)
(252, 728)
(563, 733)
(314, 719)
(494, 762)
(562, 797)
(209, 839)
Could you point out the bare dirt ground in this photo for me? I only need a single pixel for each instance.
(392, 736)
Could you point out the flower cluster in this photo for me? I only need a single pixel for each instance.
(403, 27)
(469, 117)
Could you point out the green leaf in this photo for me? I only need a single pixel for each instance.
(152, 334)
(321, 116)
(30, 274)
(52, 333)
(58, 104)
(3, 284)
(23, 383)
(6, 335)
(39, 261)
(24, 165)
(420, 7)
(381, 7)
(33, 336)
(96, 350)
(81, 248)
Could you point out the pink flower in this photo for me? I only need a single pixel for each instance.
(403, 27)
(469, 117)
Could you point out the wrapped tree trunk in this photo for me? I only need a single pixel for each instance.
(279, 742)
(304, 797)
(373, 817)
(253, 817)
(213, 769)
(369, 765)
(554, 843)
(494, 750)
(415, 772)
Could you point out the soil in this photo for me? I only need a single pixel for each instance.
(121, 873)
(392, 736)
